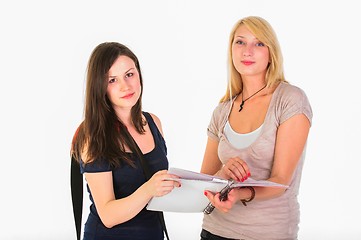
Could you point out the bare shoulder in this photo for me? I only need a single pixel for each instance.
(157, 122)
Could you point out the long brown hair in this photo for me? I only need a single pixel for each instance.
(101, 135)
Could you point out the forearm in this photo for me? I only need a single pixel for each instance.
(261, 193)
(121, 210)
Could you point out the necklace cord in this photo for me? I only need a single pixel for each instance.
(243, 101)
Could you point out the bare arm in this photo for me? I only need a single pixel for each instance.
(291, 139)
(290, 142)
(115, 211)
(158, 123)
(211, 163)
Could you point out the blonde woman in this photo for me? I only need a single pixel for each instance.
(259, 130)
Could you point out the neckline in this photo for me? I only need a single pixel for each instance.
(274, 94)
(243, 134)
(269, 106)
(149, 119)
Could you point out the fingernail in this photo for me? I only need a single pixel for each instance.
(205, 193)
(249, 174)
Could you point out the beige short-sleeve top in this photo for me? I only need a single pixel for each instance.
(277, 218)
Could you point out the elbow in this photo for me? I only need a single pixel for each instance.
(108, 222)
(108, 225)
(281, 191)
(110, 216)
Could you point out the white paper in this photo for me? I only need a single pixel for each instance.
(190, 196)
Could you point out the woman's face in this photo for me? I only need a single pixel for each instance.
(124, 87)
(250, 56)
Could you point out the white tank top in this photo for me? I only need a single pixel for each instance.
(240, 140)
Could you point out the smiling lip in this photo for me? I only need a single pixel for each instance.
(247, 63)
(128, 96)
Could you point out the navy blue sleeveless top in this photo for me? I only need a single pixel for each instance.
(126, 180)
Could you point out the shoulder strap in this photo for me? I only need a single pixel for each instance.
(148, 175)
(76, 181)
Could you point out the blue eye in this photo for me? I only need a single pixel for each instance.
(260, 44)
(239, 42)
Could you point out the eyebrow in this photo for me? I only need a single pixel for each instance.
(132, 68)
(243, 37)
(129, 69)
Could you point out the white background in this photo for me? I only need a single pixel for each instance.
(182, 48)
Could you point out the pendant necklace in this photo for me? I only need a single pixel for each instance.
(243, 101)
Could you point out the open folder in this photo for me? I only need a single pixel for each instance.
(190, 196)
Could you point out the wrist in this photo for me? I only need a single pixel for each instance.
(220, 173)
(251, 193)
(147, 190)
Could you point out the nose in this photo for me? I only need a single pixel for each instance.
(248, 51)
(123, 84)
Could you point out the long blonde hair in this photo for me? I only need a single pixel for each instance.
(264, 32)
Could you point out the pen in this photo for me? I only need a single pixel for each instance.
(223, 194)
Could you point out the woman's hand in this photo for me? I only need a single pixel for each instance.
(161, 183)
(225, 205)
(236, 169)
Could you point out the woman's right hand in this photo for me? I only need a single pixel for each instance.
(162, 183)
(236, 169)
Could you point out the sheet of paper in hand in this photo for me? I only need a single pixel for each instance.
(190, 196)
